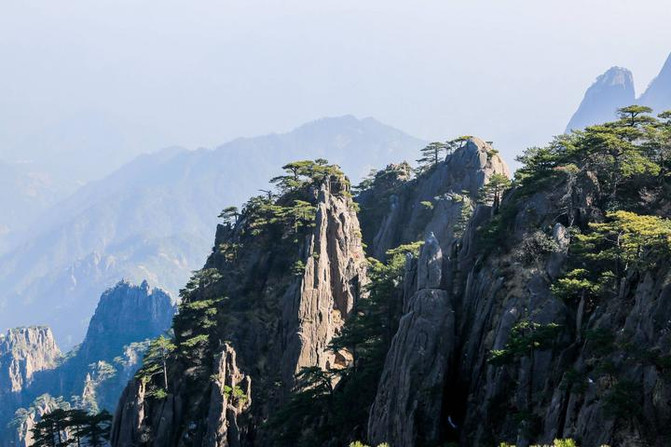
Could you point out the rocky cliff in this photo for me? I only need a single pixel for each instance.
(23, 353)
(492, 349)
(281, 282)
(540, 314)
(615, 89)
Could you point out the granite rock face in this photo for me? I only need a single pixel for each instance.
(24, 352)
(316, 308)
(281, 319)
(615, 89)
(416, 363)
(481, 297)
(231, 396)
(452, 187)
(126, 313)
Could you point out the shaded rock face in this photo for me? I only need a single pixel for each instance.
(24, 352)
(404, 410)
(610, 91)
(615, 89)
(279, 321)
(126, 315)
(445, 339)
(452, 187)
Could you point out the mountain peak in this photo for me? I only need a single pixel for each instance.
(127, 313)
(658, 93)
(610, 91)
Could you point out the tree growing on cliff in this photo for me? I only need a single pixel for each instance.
(50, 431)
(230, 215)
(526, 337)
(431, 155)
(96, 429)
(492, 191)
(627, 240)
(155, 363)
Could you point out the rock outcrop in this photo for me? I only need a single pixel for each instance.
(439, 383)
(290, 292)
(231, 396)
(126, 313)
(24, 352)
(610, 91)
(416, 364)
(316, 307)
(615, 89)
(441, 203)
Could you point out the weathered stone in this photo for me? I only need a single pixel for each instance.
(430, 267)
(405, 410)
(231, 395)
(317, 307)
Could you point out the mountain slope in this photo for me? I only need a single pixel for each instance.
(152, 218)
(26, 190)
(658, 93)
(610, 91)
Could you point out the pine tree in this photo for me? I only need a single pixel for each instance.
(493, 190)
(230, 215)
(155, 363)
(96, 429)
(431, 155)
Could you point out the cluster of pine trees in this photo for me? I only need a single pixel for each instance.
(62, 428)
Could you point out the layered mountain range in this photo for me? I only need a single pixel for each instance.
(615, 89)
(152, 218)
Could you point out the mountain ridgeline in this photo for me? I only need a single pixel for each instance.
(153, 218)
(487, 312)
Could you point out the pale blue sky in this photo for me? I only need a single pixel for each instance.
(198, 73)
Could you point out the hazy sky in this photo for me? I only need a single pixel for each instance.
(198, 73)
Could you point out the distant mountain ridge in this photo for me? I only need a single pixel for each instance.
(614, 89)
(152, 218)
